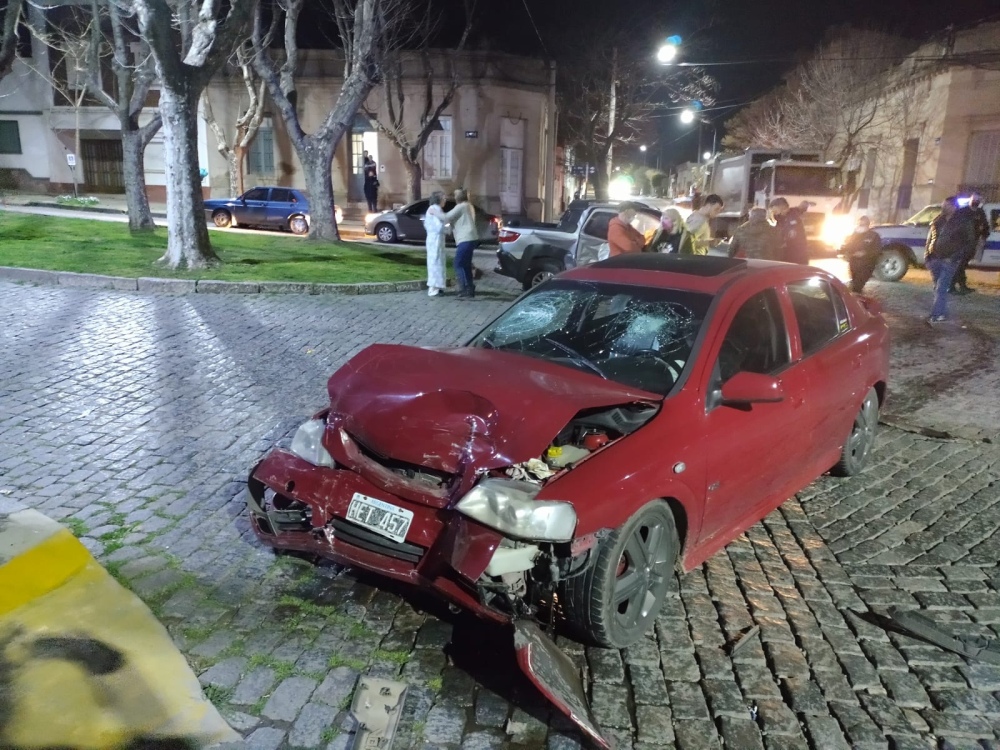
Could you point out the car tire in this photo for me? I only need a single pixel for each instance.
(298, 225)
(539, 273)
(386, 233)
(222, 219)
(892, 264)
(857, 448)
(616, 600)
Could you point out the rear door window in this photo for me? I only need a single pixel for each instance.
(597, 225)
(281, 195)
(821, 319)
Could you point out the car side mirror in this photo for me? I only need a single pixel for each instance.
(746, 388)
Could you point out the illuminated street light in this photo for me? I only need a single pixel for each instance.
(642, 148)
(707, 155)
(687, 116)
(666, 54)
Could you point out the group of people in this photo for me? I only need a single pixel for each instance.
(463, 221)
(954, 239)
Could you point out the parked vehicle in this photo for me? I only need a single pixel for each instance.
(267, 207)
(757, 175)
(407, 224)
(651, 408)
(903, 244)
(532, 255)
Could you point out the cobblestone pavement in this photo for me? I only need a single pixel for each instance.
(134, 419)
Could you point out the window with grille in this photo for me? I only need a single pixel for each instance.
(260, 156)
(357, 153)
(10, 137)
(437, 152)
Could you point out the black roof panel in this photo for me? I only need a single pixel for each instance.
(694, 265)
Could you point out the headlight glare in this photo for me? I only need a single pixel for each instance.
(308, 444)
(510, 507)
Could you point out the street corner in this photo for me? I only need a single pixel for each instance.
(85, 664)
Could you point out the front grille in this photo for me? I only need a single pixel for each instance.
(369, 540)
(419, 477)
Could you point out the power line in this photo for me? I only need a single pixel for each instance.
(535, 27)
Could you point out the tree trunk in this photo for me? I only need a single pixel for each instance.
(414, 175)
(600, 182)
(317, 158)
(233, 167)
(188, 245)
(239, 154)
(140, 218)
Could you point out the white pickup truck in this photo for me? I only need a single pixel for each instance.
(536, 252)
(903, 244)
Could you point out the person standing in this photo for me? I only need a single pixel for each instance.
(862, 250)
(981, 224)
(792, 231)
(370, 169)
(699, 224)
(673, 236)
(756, 238)
(434, 223)
(951, 233)
(622, 236)
(463, 221)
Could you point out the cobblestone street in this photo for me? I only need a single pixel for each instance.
(134, 419)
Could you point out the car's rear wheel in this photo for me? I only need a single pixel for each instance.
(385, 233)
(540, 272)
(222, 219)
(892, 265)
(298, 225)
(857, 450)
(617, 599)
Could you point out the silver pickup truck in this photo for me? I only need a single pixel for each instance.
(533, 253)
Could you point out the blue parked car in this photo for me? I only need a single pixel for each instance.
(267, 207)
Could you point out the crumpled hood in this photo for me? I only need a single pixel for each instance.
(449, 409)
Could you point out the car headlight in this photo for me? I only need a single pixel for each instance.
(308, 444)
(510, 507)
(836, 229)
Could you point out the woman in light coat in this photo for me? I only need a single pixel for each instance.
(463, 221)
(434, 222)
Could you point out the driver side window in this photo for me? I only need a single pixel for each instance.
(757, 340)
(257, 194)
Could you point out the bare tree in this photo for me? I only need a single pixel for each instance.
(133, 70)
(190, 41)
(364, 28)
(8, 43)
(438, 78)
(610, 88)
(251, 114)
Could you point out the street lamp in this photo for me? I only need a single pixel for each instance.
(666, 54)
(642, 148)
(707, 155)
(687, 116)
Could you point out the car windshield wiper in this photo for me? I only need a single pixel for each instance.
(577, 357)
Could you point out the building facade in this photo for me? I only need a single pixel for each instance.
(939, 133)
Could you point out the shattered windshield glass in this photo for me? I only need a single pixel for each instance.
(641, 337)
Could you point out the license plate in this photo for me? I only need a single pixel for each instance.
(383, 518)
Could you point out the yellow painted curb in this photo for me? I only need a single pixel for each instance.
(84, 663)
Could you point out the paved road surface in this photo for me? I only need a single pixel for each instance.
(135, 418)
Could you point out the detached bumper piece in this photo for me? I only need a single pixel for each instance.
(556, 676)
(369, 540)
(275, 521)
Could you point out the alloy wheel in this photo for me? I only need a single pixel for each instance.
(643, 573)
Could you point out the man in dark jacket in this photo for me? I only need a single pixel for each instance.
(975, 212)
(794, 245)
(756, 238)
(862, 250)
(951, 233)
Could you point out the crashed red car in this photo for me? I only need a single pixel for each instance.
(612, 423)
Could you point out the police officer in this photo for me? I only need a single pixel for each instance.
(794, 246)
(862, 250)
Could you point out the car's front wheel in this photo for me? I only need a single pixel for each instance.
(385, 233)
(892, 265)
(858, 449)
(298, 225)
(222, 219)
(617, 599)
(541, 272)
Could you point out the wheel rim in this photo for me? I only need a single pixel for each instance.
(299, 225)
(863, 433)
(385, 234)
(221, 220)
(541, 276)
(891, 266)
(642, 575)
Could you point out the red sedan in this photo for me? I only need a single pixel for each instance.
(614, 422)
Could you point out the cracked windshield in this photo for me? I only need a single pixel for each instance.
(640, 337)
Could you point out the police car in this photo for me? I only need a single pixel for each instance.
(903, 244)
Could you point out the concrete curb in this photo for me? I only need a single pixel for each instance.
(201, 286)
(92, 209)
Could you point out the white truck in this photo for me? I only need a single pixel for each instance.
(758, 175)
